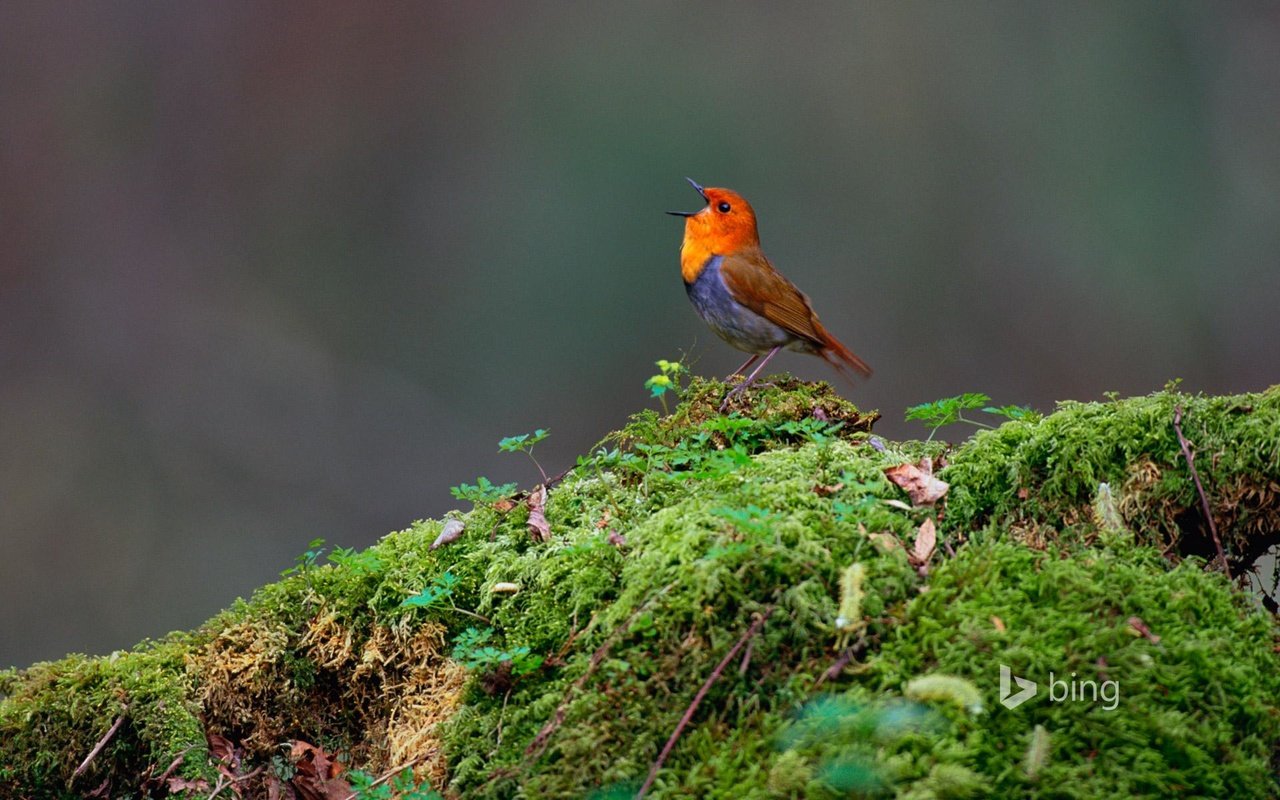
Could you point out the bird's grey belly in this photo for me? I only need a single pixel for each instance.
(732, 321)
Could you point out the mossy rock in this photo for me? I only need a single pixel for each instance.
(502, 666)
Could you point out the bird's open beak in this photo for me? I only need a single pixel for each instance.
(700, 191)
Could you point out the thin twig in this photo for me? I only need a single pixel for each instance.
(391, 773)
(1195, 476)
(697, 699)
(97, 748)
(846, 657)
(173, 766)
(539, 742)
(232, 781)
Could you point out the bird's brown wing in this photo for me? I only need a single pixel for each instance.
(754, 283)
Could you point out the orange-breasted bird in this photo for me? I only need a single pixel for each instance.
(741, 296)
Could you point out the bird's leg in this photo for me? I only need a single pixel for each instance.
(741, 370)
(750, 379)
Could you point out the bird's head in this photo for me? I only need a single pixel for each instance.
(726, 224)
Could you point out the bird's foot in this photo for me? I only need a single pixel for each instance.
(738, 390)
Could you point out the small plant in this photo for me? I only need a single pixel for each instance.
(473, 651)
(950, 410)
(439, 594)
(482, 491)
(1014, 412)
(306, 562)
(670, 378)
(753, 519)
(403, 786)
(441, 589)
(364, 562)
(524, 443)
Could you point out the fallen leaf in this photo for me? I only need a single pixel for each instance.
(823, 490)
(922, 550)
(603, 522)
(918, 482)
(999, 623)
(1140, 628)
(221, 748)
(897, 504)
(316, 774)
(449, 533)
(504, 505)
(538, 526)
(1024, 493)
(180, 784)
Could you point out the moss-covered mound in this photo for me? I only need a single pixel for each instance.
(738, 606)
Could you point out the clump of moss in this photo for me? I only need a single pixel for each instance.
(1047, 472)
(54, 714)
(513, 667)
(1191, 709)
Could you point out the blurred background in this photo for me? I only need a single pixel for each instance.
(271, 272)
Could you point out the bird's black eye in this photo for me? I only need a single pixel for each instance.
(724, 208)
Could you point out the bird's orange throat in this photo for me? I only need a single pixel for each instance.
(712, 233)
(694, 253)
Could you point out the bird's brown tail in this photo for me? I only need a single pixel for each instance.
(839, 356)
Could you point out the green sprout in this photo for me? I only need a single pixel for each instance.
(524, 443)
(949, 410)
(482, 491)
(669, 379)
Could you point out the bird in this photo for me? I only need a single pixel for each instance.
(739, 294)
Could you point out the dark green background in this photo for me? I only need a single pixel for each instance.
(271, 272)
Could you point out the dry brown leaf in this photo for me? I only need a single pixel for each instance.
(504, 505)
(449, 533)
(822, 490)
(926, 541)
(180, 784)
(998, 623)
(918, 482)
(538, 526)
(221, 748)
(317, 774)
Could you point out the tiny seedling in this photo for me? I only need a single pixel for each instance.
(950, 410)
(482, 491)
(670, 378)
(439, 594)
(473, 650)
(402, 786)
(441, 589)
(524, 443)
(307, 561)
(363, 562)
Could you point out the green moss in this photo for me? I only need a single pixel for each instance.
(1047, 472)
(1178, 722)
(677, 535)
(53, 715)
